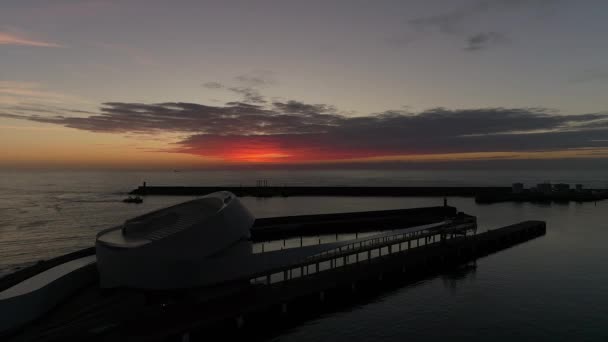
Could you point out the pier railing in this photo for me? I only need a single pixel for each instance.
(367, 249)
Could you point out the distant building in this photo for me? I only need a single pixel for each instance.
(562, 187)
(545, 188)
(517, 188)
(579, 187)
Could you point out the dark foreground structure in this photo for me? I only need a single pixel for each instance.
(428, 244)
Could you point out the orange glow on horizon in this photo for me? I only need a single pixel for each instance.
(256, 154)
(24, 146)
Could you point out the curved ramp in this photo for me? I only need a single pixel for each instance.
(37, 295)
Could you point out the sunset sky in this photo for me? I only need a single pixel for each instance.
(188, 84)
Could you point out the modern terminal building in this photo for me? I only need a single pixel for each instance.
(187, 245)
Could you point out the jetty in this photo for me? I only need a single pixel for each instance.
(193, 269)
(286, 191)
(355, 269)
(344, 273)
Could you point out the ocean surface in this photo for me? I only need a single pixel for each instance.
(554, 288)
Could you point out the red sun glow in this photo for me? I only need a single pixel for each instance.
(245, 150)
(260, 155)
(272, 149)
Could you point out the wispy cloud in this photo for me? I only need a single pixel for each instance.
(461, 21)
(248, 94)
(213, 85)
(247, 86)
(257, 78)
(16, 92)
(455, 21)
(8, 38)
(484, 40)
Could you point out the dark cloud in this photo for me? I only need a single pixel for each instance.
(484, 40)
(302, 108)
(37, 109)
(236, 118)
(303, 131)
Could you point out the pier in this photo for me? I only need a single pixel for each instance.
(304, 287)
(309, 285)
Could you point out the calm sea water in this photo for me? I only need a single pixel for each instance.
(553, 288)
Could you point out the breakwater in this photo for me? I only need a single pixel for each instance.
(275, 191)
(481, 194)
(491, 196)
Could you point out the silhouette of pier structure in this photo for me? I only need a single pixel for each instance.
(406, 250)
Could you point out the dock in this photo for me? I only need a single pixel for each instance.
(348, 272)
(367, 263)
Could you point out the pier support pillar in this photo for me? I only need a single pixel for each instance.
(186, 337)
(322, 296)
(353, 288)
(284, 308)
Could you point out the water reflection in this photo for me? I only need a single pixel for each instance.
(460, 275)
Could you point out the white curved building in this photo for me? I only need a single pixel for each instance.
(187, 245)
